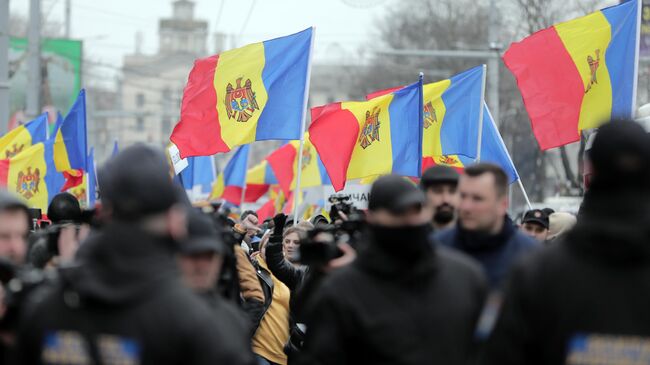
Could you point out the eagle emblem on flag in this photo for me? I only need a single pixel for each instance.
(9, 153)
(306, 157)
(593, 67)
(27, 183)
(429, 115)
(447, 160)
(240, 101)
(370, 130)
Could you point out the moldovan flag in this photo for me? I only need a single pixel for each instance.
(199, 173)
(91, 176)
(259, 179)
(247, 94)
(493, 150)
(23, 137)
(31, 174)
(284, 162)
(70, 146)
(365, 138)
(232, 180)
(451, 113)
(578, 74)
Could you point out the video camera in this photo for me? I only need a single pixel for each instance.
(320, 246)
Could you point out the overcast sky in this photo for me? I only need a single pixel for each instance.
(109, 27)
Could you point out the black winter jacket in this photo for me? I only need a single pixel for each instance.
(382, 311)
(124, 303)
(585, 300)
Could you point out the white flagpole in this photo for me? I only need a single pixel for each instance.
(521, 185)
(480, 122)
(636, 58)
(296, 193)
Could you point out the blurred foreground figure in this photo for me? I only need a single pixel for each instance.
(123, 301)
(403, 301)
(200, 260)
(586, 301)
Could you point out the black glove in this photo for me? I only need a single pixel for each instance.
(278, 227)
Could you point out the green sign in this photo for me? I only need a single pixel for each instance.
(61, 73)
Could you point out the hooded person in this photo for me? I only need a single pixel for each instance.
(403, 300)
(583, 301)
(123, 300)
(560, 223)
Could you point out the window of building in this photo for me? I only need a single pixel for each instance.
(139, 100)
(139, 124)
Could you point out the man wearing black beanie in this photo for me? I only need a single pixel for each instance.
(123, 301)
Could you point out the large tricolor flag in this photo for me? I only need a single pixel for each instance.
(70, 140)
(365, 138)
(232, 180)
(23, 137)
(578, 74)
(284, 162)
(247, 94)
(32, 175)
(493, 150)
(451, 113)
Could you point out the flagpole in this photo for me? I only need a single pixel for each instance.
(521, 185)
(302, 128)
(480, 121)
(636, 58)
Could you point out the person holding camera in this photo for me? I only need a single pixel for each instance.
(403, 300)
(123, 300)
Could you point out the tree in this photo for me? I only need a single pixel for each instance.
(462, 25)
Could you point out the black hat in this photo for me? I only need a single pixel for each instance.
(438, 175)
(620, 157)
(396, 194)
(64, 207)
(536, 216)
(136, 183)
(203, 236)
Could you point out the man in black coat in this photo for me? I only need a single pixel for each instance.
(585, 300)
(123, 301)
(402, 301)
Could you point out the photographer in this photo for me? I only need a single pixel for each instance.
(58, 243)
(402, 301)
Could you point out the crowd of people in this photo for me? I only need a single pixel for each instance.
(435, 273)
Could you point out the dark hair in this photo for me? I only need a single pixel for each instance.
(500, 177)
(246, 213)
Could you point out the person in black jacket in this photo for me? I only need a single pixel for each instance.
(585, 300)
(403, 301)
(200, 260)
(484, 231)
(123, 301)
